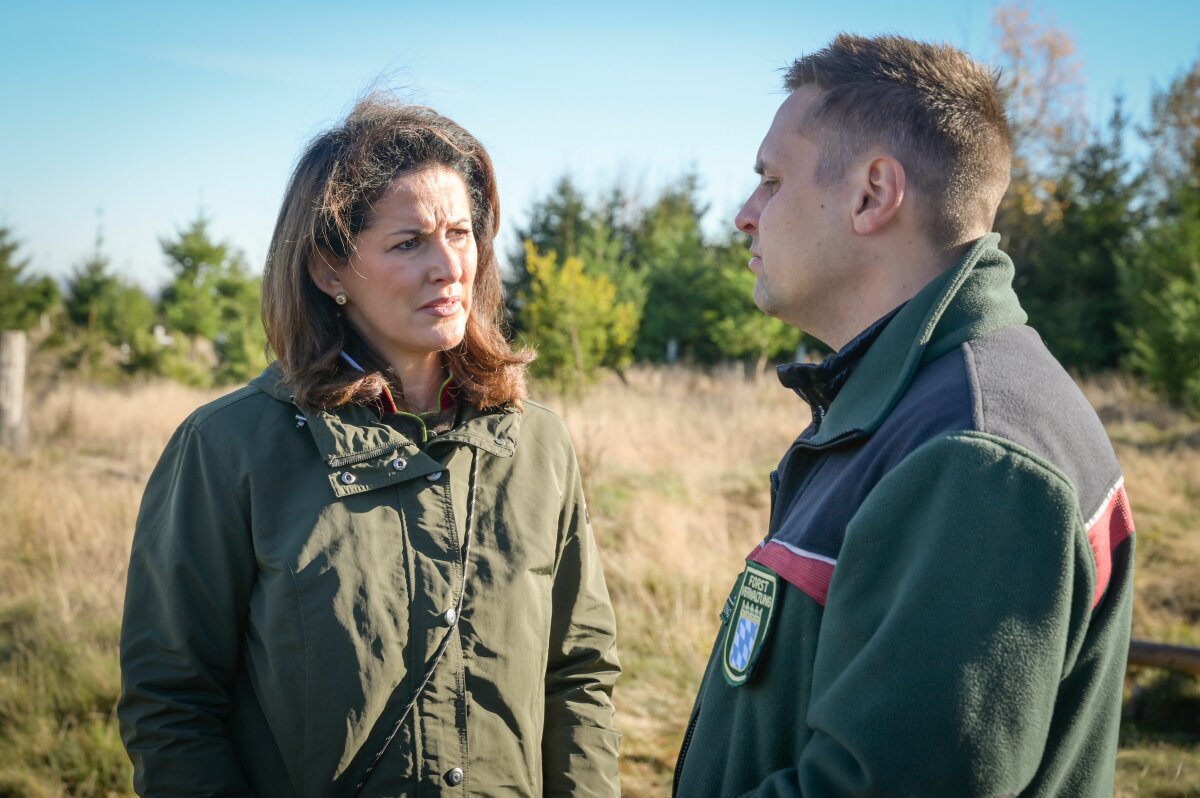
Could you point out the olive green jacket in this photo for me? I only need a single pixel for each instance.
(294, 574)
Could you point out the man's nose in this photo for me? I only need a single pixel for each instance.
(747, 218)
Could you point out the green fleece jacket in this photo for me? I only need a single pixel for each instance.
(294, 575)
(942, 604)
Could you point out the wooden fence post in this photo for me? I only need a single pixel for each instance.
(14, 424)
(1161, 655)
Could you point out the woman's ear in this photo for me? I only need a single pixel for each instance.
(879, 194)
(323, 270)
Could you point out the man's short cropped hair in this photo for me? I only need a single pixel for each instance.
(928, 105)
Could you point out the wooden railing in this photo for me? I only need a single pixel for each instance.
(1161, 655)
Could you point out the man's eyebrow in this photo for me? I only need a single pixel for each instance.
(759, 168)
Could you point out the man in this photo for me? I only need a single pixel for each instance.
(941, 605)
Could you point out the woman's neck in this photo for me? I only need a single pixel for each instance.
(421, 381)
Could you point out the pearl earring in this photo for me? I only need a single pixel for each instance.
(341, 298)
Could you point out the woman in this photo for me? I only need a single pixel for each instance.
(371, 570)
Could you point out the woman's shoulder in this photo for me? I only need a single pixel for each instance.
(537, 418)
(244, 414)
(544, 435)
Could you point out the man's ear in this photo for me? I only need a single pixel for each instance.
(878, 194)
(323, 270)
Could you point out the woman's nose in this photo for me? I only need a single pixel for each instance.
(446, 265)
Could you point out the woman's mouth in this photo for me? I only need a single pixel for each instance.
(443, 306)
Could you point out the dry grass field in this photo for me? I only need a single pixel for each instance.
(676, 466)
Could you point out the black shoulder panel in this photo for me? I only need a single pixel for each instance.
(1022, 394)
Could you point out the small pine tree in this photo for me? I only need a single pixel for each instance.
(213, 299)
(669, 250)
(22, 300)
(574, 321)
(1071, 285)
(1161, 284)
(112, 318)
(1161, 281)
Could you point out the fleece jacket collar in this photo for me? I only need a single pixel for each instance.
(819, 384)
(970, 299)
(355, 433)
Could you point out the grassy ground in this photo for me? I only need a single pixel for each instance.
(676, 465)
(1160, 452)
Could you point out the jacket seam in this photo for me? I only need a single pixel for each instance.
(1078, 530)
(244, 394)
(223, 475)
(410, 586)
(307, 663)
(564, 522)
(1013, 448)
(978, 410)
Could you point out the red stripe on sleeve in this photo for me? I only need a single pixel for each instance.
(1112, 525)
(807, 573)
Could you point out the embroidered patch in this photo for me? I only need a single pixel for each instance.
(746, 634)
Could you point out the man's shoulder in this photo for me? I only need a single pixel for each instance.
(1006, 386)
(1022, 394)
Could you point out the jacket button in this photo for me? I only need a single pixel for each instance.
(399, 464)
(501, 440)
(454, 776)
(434, 477)
(450, 616)
(347, 478)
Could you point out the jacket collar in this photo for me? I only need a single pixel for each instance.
(818, 384)
(355, 433)
(970, 299)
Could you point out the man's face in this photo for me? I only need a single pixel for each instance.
(799, 228)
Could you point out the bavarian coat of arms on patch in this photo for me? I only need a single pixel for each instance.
(749, 623)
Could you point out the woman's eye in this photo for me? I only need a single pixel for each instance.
(407, 244)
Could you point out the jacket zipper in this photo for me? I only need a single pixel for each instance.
(818, 409)
(774, 495)
(726, 614)
(687, 741)
(370, 454)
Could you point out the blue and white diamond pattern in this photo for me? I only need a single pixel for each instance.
(743, 643)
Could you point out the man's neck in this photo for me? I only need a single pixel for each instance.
(896, 278)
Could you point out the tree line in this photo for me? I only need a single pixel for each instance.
(202, 329)
(1107, 250)
(1107, 253)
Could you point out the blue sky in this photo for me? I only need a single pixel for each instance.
(134, 116)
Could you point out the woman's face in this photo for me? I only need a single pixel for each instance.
(408, 285)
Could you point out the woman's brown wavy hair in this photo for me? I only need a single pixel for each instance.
(328, 203)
